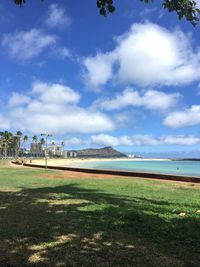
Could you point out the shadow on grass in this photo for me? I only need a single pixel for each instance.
(72, 226)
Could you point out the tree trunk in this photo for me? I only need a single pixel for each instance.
(5, 150)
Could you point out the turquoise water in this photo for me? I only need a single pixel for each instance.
(190, 168)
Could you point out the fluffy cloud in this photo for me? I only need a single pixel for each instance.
(136, 140)
(17, 99)
(61, 52)
(55, 93)
(57, 17)
(99, 70)
(147, 55)
(109, 140)
(151, 99)
(184, 118)
(54, 108)
(74, 141)
(25, 45)
(139, 140)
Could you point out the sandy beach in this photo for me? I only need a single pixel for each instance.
(75, 161)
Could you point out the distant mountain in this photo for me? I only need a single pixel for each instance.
(106, 152)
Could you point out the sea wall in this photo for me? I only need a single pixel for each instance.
(118, 173)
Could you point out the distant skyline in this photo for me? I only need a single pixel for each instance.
(131, 80)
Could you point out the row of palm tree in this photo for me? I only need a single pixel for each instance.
(12, 141)
(16, 142)
(35, 140)
(6, 138)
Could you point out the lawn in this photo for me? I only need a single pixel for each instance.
(46, 220)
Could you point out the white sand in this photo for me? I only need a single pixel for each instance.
(75, 161)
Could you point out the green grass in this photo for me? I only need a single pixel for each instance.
(46, 221)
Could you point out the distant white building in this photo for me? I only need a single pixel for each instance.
(55, 150)
(70, 154)
(132, 156)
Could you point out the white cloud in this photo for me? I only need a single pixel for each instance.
(147, 55)
(140, 140)
(17, 99)
(181, 140)
(99, 70)
(74, 141)
(184, 118)
(25, 45)
(136, 140)
(55, 93)
(54, 108)
(165, 140)
(109, 140)
(61, 52)
(151, 99)
(4, 123)
(57, 17)
(105, 140)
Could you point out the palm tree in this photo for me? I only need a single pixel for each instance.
(42, 142)
(18, 137)
(25, 139)
(6, 140)
(19, 133)
(34, 138)
(1, 143)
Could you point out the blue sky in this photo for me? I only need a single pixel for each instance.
(131, 80)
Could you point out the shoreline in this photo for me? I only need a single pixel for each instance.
(89, 163)
(68, 162)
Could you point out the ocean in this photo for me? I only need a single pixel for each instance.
(188, 168)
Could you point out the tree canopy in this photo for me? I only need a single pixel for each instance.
(183, 8)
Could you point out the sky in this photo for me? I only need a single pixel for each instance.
(130, 80)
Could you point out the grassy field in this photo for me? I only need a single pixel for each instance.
(52, 218)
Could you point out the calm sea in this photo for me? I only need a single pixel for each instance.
(190, 168)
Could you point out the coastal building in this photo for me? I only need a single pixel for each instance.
(70, 154)
(131, 155)
(55, 151)
(134, 156)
